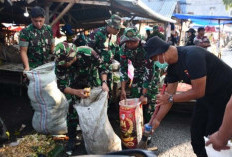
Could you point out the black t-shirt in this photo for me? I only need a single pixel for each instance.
(195, 62)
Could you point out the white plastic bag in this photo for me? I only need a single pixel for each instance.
(213, 153)
(131, 70)
(47, 100)
(98, 134)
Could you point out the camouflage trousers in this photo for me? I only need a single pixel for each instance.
(72, 121)
(110, 85)
(150, 107)
(136, 92)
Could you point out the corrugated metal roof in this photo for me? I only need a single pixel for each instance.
(145, 9)
(163, 7)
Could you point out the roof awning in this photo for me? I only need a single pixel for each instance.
(141, 9)
(82, 13)
(205, 19)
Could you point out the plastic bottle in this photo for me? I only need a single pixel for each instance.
(147, 129)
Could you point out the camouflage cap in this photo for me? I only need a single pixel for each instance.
(155, 27)
(114, 22)
(65, 52)
(130, 34)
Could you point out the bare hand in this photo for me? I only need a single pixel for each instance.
(123, 95)
(143, 100)
(80, 93)
(217, 142)
(105, 87)
(26, 69)
(162, 99)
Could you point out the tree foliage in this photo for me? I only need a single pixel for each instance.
(228, 3)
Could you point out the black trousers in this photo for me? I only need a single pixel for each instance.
(207, 118)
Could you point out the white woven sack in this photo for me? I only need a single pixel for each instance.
(47, 100)
(98, 134)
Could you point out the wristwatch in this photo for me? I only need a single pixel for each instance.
(104, 81)
(170, 99)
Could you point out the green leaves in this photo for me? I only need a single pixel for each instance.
(228, 3)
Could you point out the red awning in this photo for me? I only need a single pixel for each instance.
(210, 29)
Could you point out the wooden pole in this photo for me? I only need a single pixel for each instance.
(46, 8)
(165, 30)
(87, 2)
(180, 32)
(219, 38)
(47, 14)
(55, 10)
(76, 22)
(140, 23)
(66, 9)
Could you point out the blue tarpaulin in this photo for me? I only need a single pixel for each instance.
(205, 19)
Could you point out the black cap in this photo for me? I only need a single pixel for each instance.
(37, 12)
(155, 46)
(200, 29)
(191, 30)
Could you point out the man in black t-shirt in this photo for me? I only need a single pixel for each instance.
(211, 81)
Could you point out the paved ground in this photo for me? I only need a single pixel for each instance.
(173, 136)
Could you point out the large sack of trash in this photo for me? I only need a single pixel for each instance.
(47, 100)
(98, 134)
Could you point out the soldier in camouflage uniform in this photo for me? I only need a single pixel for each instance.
(36, 41)
(157, 33)
(97, 40)
(76, 69)
(146, 76)
(80, 40)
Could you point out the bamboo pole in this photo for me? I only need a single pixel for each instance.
(66, 9)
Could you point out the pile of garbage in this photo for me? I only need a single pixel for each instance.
(30, 145)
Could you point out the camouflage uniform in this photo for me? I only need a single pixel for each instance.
(97, 40)
(153, 89)
(81, 74)
(39, 43)
(145, 72)
(157, 33)
(80, 40)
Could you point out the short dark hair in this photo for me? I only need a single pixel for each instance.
(37, 12)
(200, 29)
